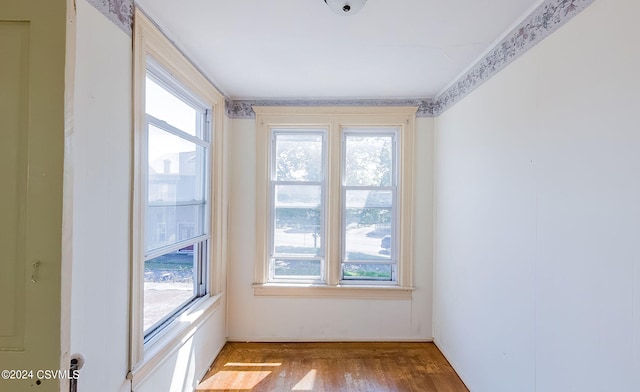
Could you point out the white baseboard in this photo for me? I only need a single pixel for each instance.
(206, 370)
(453, 364)
(260, 339)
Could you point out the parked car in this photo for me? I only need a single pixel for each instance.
(386, 242)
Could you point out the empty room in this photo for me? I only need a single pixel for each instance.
(320, 195)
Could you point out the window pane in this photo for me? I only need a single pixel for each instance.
(310, 269)
(363, 271)
(367, 222)
(165, 106)
(297, 220)
(298, 196)
(170, 224)
(168, 284)
(369, 161)
(298, 157)
(176, 168)
(176, 189)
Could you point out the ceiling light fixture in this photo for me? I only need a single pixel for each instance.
(345, 7)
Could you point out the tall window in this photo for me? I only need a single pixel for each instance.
(334, 201)
(297, 192)
(369, 186)
(176, 212)
(178, 218)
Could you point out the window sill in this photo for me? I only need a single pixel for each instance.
(339, 291)
(158, 349)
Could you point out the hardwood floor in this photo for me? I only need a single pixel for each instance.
(366, 367)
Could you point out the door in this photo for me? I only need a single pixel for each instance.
(32, 85)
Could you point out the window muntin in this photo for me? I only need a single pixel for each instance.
(369, 205)
(297, 250)
(177, 213)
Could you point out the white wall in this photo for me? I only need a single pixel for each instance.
(184, 368)
(297, 319)
(101, 161)
(537, 267)
(101, 148)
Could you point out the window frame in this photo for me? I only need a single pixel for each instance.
(146, 356)
(200, 242)
(335, 119)
(273, 183)
(371, 131)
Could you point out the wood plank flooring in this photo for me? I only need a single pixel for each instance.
(366, 367)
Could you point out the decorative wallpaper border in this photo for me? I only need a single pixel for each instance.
(541, 23)
(243, 108)
(120, 12)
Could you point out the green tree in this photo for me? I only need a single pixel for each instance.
(299, 158)
(368, 161)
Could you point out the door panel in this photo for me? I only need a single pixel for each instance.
(32, 83)
(14, 79)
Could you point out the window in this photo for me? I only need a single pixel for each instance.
(369, 204)
(297, 194)
(177, 210)
(178, 216)
(334, 201)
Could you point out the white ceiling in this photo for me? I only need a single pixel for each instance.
(262, 49)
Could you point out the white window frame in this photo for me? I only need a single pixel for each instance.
(145, 357)
(335, 119)
(272, 211)
(373, 131)
(203, 140)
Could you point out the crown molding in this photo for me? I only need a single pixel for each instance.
(120, 12)
(243, 109)
(538, 25)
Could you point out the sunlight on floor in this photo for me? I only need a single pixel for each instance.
(307, 382)
(234, 379)
(246, 364)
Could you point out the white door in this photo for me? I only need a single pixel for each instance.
(32, 68)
